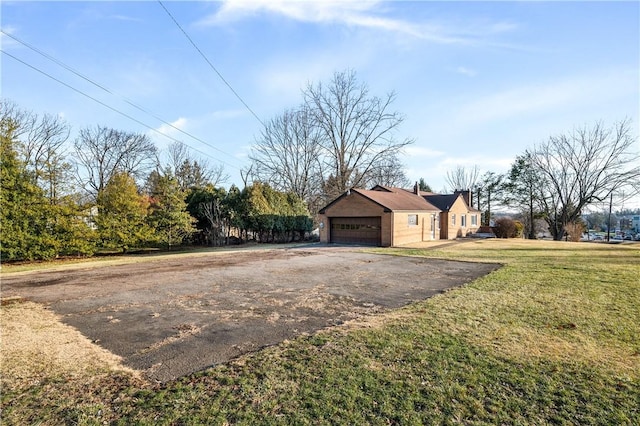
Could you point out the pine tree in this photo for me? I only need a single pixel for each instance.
(168, 216)
(122, 214)
(25, 233)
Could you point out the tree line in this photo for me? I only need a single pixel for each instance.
(108, 191)
(343, 136)
(557, 180)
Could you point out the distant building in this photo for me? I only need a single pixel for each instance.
(388, 216)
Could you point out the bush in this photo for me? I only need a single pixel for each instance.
(574, 230)
(519, 229)
(505, 228)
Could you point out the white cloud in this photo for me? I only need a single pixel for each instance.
(418, 152)
(362, 14)
(5, 39)
(484, 163)
(172, 130)
(549, 97)
(124, 18)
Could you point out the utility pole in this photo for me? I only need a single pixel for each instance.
(609, 221)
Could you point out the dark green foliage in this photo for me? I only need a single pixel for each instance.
(31, 226)
(424, 186)
(168, 215)
(275, 216)
(211, 210)
(122, 213)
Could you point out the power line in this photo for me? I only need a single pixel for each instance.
(210, 64)
(109, 107)
(109, 91)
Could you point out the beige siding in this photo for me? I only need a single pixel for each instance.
(406, 233)
(355, 205)
(452, 222)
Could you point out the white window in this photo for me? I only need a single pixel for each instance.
(453, 219)
(474, 220)
(463, 220)
(413, 220)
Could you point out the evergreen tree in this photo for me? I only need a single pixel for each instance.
(71, 228)
(168, 216)
(208, 205)
(25, 233)
(524, 189)
(122, 214)
(424, 186)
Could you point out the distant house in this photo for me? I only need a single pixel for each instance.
(388, 216)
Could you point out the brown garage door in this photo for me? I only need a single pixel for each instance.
(355, 230)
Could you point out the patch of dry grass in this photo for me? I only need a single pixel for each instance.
(36, 345)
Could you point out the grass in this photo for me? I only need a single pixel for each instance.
(550, 338)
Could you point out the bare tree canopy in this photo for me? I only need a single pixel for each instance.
(102, 152)
(42, 147)
(286, 154)
(192, 173)
(389, 171)
(357, 129)
(582, 167)
(462, 178)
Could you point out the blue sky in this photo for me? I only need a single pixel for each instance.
(477, 82)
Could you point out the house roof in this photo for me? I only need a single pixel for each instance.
(442, 201)
(400, 199)
(391, 199)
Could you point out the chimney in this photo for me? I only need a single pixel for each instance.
(466, 194)
(416, 189)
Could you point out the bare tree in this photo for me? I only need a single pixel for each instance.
(41, 145)
(583, 167)
(11, 115)
(191, 172)
(212, 211)
(246, 174)
(102, 152)
(286, 155)
(357, 130)
(388, 172)
(44, 152)
(462, 179)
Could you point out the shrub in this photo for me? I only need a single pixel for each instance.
(505, 228)
(519, 229)
(574, 230)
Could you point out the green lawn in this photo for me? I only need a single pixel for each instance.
(553, 337)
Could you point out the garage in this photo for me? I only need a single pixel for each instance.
(355, 230)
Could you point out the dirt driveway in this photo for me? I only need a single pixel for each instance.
(174, 316)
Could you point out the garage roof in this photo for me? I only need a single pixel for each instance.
(392, 199)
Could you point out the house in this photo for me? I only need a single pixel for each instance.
(388, 216)
(458, 218)
(381, 216)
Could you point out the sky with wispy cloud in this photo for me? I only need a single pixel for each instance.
(478, 82)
